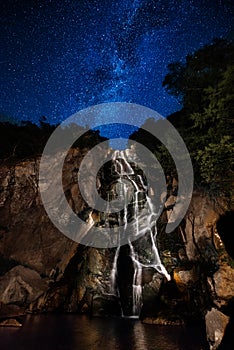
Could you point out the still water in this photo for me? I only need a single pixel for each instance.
(72, 332)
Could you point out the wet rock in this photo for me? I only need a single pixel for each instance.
(87, 274)
(96, 262)
(152, 282)
(216, 323)
(11, 311)
(10, 322)
(21, 286)
(185, 278)
(223, 281)
(147, 275)
(51, 301)
(169, 205)
(106, 305)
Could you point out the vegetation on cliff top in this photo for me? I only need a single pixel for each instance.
(20, 141)
(204, 85)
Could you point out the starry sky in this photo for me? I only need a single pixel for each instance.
(58, 57)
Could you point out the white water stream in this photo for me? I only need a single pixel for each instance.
(127, 177)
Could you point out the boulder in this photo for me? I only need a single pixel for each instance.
(224, 284)
(216, 323)
(10, 322)
(21, 286)
(185, 278)
(106, 305)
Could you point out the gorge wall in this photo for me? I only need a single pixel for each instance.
(44, 271)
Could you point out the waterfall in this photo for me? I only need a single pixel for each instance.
(127, 177)
(114, 289)
(136, 286)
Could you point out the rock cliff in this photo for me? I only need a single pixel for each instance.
(42, 270)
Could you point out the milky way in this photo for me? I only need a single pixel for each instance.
(59, 57)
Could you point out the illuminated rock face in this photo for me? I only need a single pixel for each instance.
(75, 278)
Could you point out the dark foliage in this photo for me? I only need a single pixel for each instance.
(24, 140)
(20, 141)
(204, 84)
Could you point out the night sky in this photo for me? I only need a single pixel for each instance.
(58, 57)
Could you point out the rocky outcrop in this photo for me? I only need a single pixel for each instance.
(86, 277)
(27, 235)
(21, 286)
(206, 278)
(201, 269)
(28, 239)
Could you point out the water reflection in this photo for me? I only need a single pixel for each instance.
(72, 332)
(140, 337)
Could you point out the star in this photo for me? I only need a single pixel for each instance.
(60, 57)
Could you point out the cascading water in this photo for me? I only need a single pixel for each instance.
(127, 176)
(136, 286)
